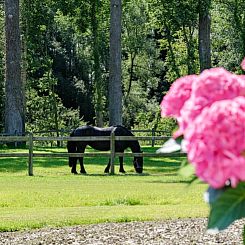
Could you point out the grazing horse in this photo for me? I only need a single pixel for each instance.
(120, 146)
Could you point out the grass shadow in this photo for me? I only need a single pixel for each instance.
(151, 165)
(13, 164)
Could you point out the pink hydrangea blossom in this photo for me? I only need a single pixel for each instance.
(179, 92)
(216, 142)
(243, 64)
(211, 85)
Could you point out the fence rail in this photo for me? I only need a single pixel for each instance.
(111, 154)
(62, 132)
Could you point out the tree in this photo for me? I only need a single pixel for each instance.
(1, 68)
(115, 84)
(98, 85)
(204, 34)
(69, 61)
(58, 64)
(176, 23)
(14, 91)
(239, 19)
(141, 66)
(236, 8)
(228, 34)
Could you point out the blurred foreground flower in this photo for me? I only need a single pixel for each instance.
(216, 141)
(210, 110)
(189, 95)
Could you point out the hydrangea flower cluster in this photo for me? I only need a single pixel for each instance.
(210, 110)
(179, 92)
(243, 64)
(216, 142)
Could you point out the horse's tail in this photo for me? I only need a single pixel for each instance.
(71, 147)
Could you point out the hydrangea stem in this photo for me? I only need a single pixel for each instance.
(243, 235)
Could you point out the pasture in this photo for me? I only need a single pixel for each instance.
(55, 197)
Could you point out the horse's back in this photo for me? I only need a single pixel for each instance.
(96, 131)
(91, 131)
(122, 131)
(86, 131)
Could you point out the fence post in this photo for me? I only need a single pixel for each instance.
(30, 162)
(62, 135)
(112, 146)
(153, 137)
(15, 143)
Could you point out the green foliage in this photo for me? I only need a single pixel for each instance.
(148, 115)
(159, 44)
(177, 25)
(135, 27)
(228, 36)
(45, 110)
(53, 39)
(141, 66)
(40, 115)
(167, 124)
(228, 207)
(181, 59)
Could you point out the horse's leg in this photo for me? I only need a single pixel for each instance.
(107, 169)
(81, 149)
(121, 169)
(72, 148)
(74, 166)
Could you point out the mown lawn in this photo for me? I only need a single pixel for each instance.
(54, 197)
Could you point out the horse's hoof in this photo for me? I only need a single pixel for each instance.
(83, 172)
(74, 172)
(122, 171)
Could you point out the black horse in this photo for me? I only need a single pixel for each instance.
(120, 146)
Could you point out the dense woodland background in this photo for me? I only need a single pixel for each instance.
(65, 53)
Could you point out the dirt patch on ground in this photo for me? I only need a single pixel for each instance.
(182, 231)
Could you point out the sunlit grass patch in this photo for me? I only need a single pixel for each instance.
(55, 197)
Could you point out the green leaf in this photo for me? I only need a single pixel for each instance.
(212, 194)
(179, 139)
(229, 207)
(243, 234)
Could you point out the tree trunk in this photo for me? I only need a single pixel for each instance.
(98, 86)
(1, 69)
(115, 84)
(190, 47)
(54, 108)
(239, 19)
(14, 102)
(132, 58)
(172, 55)
(204, 34)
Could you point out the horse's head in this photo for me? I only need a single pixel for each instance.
(138, 164)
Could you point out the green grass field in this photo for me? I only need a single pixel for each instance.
(54, 197)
